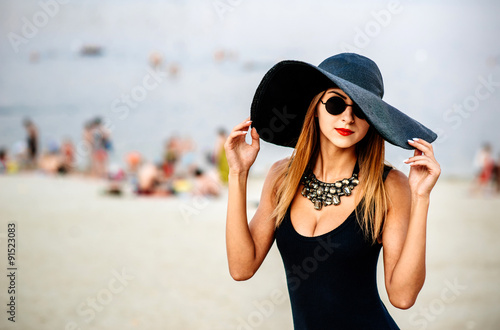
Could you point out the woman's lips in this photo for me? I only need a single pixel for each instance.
(344, 131)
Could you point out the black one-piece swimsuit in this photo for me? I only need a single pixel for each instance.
(332, 277)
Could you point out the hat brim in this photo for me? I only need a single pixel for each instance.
(286, 90)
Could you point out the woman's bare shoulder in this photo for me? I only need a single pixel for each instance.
(278, 168)
(275, 174)
(397, 186)
(279, 165)
(396, 178)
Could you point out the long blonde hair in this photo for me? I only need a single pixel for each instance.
(370, 151)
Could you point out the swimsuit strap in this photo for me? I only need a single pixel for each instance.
(356, 168)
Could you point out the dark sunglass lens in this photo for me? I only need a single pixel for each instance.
(335, 106)
(358, 112)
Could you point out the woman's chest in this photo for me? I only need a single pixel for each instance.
(310, 222)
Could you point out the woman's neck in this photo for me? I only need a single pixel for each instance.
(334, 163)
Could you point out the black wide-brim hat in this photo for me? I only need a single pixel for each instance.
(283, 96)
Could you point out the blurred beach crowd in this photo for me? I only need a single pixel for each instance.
(176, 172)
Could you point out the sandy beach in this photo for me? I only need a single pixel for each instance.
(89, 261)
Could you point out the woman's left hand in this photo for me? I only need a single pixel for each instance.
(425, 170)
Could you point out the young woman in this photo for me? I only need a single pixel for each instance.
(333, 204)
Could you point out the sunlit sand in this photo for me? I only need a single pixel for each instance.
(90, 261)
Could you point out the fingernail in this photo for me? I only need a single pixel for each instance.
(416, 139)
(404, 161)
(248, 122)
(411, 141)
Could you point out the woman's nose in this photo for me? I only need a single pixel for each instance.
(348, 115)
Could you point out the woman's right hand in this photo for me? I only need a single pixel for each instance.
(241, 155)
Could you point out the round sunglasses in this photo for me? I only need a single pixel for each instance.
(335, 105)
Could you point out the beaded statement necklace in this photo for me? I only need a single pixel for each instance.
(325, 194)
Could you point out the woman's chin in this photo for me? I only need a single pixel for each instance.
(342, 143)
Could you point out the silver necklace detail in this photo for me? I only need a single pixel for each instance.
(325, 194)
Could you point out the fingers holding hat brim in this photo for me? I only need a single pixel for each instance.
(392, 124)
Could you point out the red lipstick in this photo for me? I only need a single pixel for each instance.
(344, 131)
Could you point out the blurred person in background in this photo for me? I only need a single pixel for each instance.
(58, 159)
(171, 156)
(485, 165)
(187, 161)
(133, 160)
(32, 143)
(155, 59)
(496, 175)
(18, 156)
(51, 160)
(220, 159)
(87, 146)
(100, 146)
(151, 181)
(3, 160)
(116, 178)
(206, 184)
(68, 155)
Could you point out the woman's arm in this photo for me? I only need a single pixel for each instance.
(247, 245)
(404, 236)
